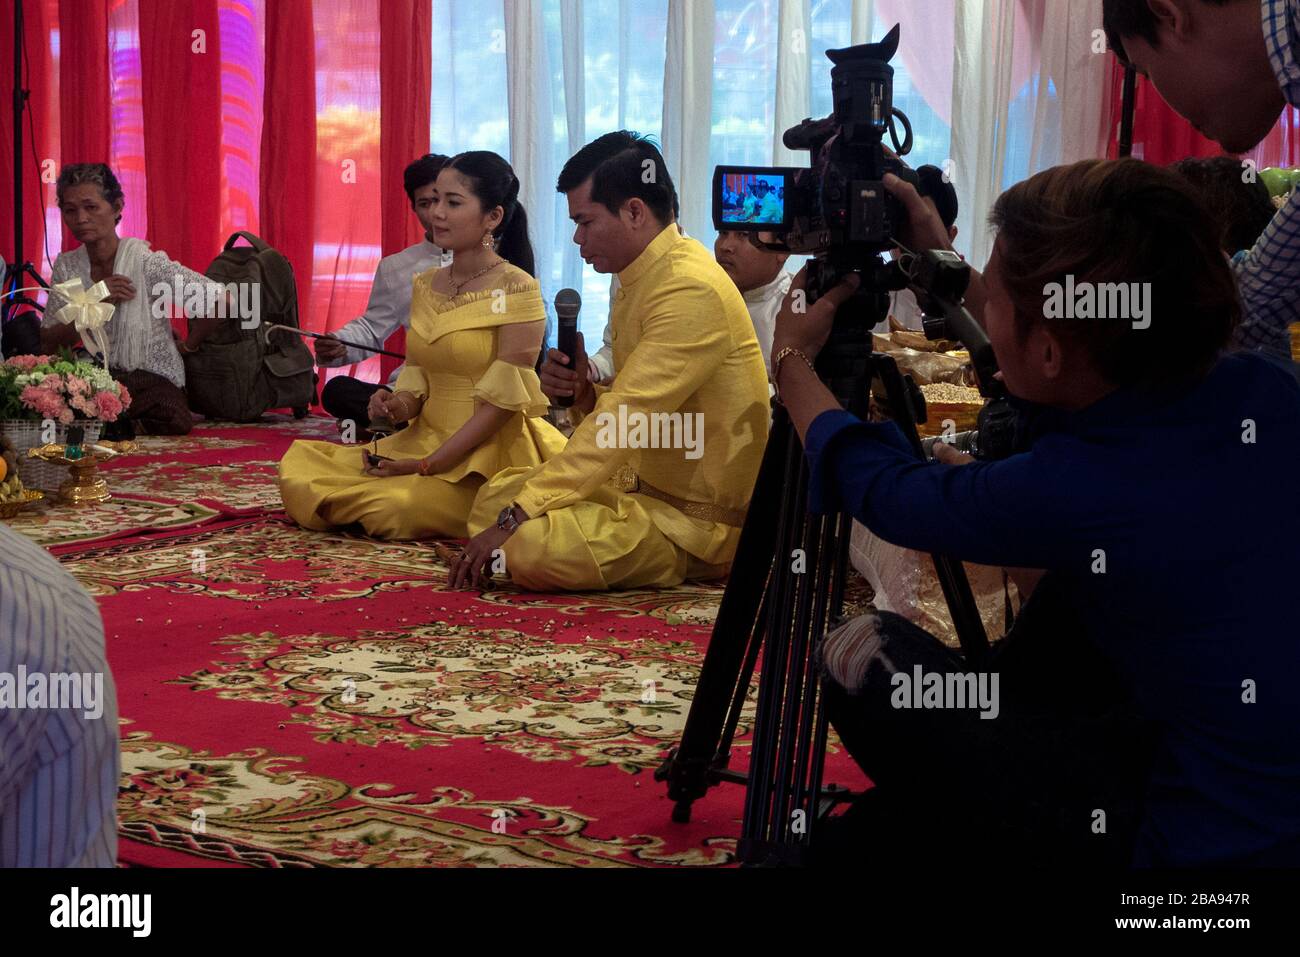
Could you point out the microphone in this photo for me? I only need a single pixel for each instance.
(567, 306)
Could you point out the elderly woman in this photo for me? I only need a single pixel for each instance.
(142, 351)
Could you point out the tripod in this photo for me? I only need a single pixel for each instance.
(22, 270)
(785, 592)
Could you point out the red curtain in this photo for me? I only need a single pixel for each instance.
(180, 61)
(405, 75)
(127, 151)
(243, 74)
(85, 117)
(307, 141)
(40, 129)
(288, 165)
(1282, 145)
(348, 230)
(1161, 135)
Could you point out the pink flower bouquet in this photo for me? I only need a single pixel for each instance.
(50, 387)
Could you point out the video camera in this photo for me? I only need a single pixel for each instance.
(838, 212)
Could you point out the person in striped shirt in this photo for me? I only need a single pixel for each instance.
(59, 759)
(1229, 67)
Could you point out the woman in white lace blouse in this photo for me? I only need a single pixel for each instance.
(143, 353)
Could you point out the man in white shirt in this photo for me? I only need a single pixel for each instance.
(59, 753)
(760, 276)
(757, 273)
(389, 308)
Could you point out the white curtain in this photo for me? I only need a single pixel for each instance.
(532, 145)
(575, 110)
(981, 90)
(862, 15)
(999, 45)
(1082, 79)
(688, 110)
(998, 88)
(793, 99)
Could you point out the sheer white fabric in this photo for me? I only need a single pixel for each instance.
(996, 90)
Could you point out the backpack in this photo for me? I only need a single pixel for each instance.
(238, 374)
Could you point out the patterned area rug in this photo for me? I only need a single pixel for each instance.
(297, 699)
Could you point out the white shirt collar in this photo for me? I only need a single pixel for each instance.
(759, 293)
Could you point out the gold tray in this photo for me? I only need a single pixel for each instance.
(965, 416)
(10, 510)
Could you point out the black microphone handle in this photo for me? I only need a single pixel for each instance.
(567, 342)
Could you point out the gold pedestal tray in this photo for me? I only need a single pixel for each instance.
(86, 486)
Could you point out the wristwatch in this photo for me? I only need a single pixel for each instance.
(506, 521)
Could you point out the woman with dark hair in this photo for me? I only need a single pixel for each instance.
(469, 390)
(142, 351)
(1142, 708)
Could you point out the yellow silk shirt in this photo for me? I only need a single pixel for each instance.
(683, 343)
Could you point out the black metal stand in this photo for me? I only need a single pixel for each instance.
(1128, 103)
(22, 274)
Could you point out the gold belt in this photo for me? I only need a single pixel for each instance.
(705, 512)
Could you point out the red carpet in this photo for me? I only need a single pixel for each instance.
(296, 699)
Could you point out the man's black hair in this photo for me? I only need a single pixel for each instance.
(1133, 18)
(616, 164)
(1241, 208)
(942, 192)
(422, 172)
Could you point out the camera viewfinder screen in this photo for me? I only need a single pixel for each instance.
(753, 198)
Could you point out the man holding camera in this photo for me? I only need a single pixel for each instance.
(1147, 709)
(1230, 67)
(685, 358)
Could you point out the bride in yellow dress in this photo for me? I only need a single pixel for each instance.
(469, 390)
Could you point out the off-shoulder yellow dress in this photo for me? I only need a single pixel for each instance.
(461, 351)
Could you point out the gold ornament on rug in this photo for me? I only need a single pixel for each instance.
(85, 486)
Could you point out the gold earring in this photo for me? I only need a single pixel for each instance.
(488, 241)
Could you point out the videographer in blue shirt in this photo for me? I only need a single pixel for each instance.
(1148, 711)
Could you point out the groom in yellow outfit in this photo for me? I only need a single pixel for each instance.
(687, 408)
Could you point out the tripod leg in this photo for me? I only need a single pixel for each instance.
(952, 575)
(811, 735)
(765, 813)
(688, 767)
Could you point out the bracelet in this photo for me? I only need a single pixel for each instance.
(776, 367)
(409, 399)
(426, 467)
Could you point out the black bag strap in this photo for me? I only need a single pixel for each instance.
(255, 241)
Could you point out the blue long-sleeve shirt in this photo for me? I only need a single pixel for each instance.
(1176, 527)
